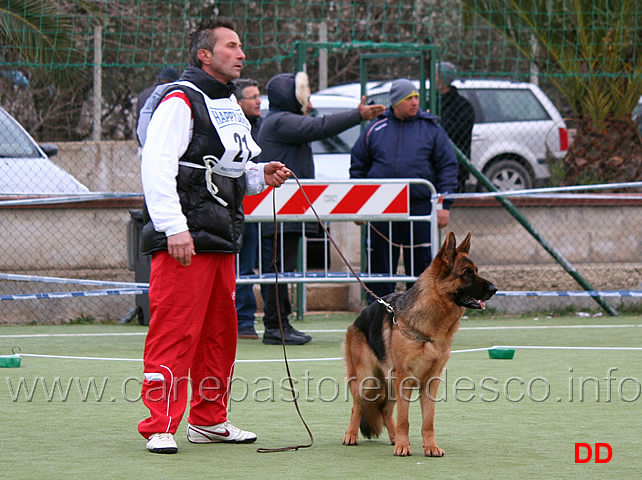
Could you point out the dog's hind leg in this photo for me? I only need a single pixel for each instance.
(389, 421)
(352, 433)
(351, 344)
(367, 386)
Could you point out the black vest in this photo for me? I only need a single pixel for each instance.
(214, 227)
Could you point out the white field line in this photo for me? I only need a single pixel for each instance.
(335, 359)
(112, 359)
(511, 327)
(48, 335)
(499, 327)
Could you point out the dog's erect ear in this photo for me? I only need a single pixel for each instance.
(464, 246)
(448, 251)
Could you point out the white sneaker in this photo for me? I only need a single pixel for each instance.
(221, 433)
(162, 443)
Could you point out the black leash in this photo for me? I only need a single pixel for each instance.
(276, 285)
(343, 258)
(285, 353)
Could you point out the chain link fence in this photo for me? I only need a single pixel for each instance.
(555, 99)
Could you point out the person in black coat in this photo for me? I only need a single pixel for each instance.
(457, 116)
(285, 136)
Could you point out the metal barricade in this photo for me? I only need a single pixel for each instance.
(344, 201)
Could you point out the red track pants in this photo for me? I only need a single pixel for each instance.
(191, 341)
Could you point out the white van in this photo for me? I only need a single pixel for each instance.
(517, 128)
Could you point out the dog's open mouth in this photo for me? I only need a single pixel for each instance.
(472, 303)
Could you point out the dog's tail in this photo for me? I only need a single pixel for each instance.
(373, 401)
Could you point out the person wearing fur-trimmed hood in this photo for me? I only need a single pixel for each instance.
(285, 136)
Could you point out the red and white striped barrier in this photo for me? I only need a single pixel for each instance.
(338, 199)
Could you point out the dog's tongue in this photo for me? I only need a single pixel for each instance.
(482, 304)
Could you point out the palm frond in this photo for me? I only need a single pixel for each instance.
(37, 32)
(588, 47)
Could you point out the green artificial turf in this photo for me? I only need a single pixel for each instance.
(516, 418)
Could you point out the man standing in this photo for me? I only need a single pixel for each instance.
(405, 142)
(457, 115)
(285, 136)
(249, 97)
(196, 168)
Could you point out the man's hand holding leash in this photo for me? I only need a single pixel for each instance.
(276, 174)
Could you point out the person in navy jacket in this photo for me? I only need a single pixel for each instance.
(405, 142)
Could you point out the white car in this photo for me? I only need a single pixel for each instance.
(517, 128)
(25, 167)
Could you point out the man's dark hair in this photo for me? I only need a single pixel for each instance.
(203, 36)
(241, 84)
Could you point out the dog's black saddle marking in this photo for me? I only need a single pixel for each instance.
(371, 322)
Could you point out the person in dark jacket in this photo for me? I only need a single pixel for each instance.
(457, 115)
(405, 142)
(248, 95)
(285, 136)
(196, 168)
(166, 75)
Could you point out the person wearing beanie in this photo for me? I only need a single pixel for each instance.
(405, 142)
(167, 75)
(285, 136)
(400, 90)
(457, 116)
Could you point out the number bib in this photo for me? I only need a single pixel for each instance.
(235, 132)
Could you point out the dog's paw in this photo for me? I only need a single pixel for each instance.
(351, 439)
(433, 451)
(402, 450)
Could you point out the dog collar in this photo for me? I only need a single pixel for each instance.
(410, 333)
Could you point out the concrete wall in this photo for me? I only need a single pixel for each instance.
(97, 237)
(63, 238)
(93, 242)
(106, 166)
(582, 234)
(585, 233)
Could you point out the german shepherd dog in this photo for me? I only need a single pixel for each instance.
(388, 353)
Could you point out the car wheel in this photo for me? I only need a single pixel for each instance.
(509, 174)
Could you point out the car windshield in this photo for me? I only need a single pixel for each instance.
(341, 143)
(13, 141)
(505, 105)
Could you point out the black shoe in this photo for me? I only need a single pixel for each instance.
(248, 333)
(290, 328)
(272, 336)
